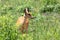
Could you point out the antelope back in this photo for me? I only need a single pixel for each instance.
(20, 21)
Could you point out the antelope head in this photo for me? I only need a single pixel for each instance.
(27, 14)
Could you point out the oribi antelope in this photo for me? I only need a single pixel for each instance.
(24, 20)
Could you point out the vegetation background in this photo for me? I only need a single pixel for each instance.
(46, 25)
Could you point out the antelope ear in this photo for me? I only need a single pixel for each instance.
(26, 9)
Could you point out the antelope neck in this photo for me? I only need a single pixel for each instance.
(25, 18)
(26, 21)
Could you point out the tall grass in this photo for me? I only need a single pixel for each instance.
(46, 25)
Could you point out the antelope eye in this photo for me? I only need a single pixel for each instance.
(29, 14)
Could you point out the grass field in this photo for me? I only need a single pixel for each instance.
(46, 25)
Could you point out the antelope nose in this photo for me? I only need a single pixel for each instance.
(33, 17)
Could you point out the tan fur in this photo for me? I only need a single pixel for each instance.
(20, 21)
